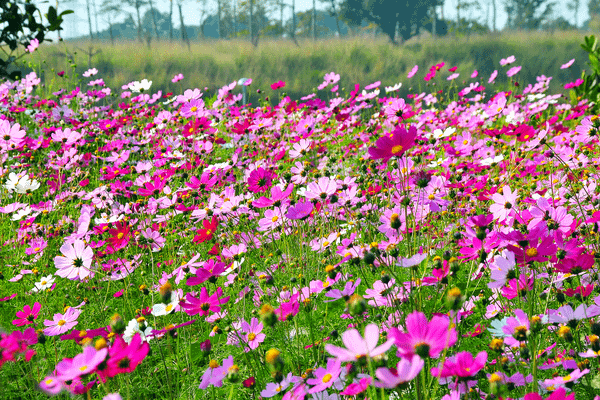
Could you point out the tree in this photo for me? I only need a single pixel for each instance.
(391, 16)
(334, 13)
(527, 14)
(111, 9)
(137, 4)
(20, 26)
(573, 5)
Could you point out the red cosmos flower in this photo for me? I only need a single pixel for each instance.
(207, 232)
(394, 145)
(119, 235)
(584, 291)
(277, 85)
(28, 314)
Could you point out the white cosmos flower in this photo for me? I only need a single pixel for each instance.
(27, 185)
(393, 88)
(438, 133)
(137, 87)
(45, 283)
(21, 213)
(13, 180)
(489, 161)
(164, 309)
(133, 327)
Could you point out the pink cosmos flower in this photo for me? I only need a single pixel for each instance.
(204, 304)
(76, 261)
(413, 71)
(493, 76)
(253, 337)
(355, 388)
(559, 394)
(568, 64)
(62, 323)
(11, 137)
(272, 219)
(277, 85)
(37, 245)
(123, 357)
(513, 71)
(394, 145)
(321, 189)
(405, 371)
(426, 339)
(277, 197)
(462, 365)
(260, 180)
(503, 207)
(508, 60)
(28, 314)
(300, 210)
(357, 347)
(33, 45)
(83, 364)
(325, 377)
(177, 78)
(518, 287)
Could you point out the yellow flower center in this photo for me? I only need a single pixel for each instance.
(120, 235)
(327, 378)
(396, 149)
(532, 252)
(275, 218)
(251, 336)
(169, 307)
(83, 368)
(61, 322)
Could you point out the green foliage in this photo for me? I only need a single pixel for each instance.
(590, 89)
(20, 27)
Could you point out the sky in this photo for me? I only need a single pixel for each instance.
(77, 25)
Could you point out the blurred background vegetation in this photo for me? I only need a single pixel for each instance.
(362, 40)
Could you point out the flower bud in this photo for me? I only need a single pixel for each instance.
(165, 292)
(117, 324)
(564, 332)
(454, 299)
(267, 315)
(356, 305)
(274, 361)
(497, 345)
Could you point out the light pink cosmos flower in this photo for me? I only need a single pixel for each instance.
(253, 337)
(62, 323)
(11, 137)
(413, 71)
(513, 71)
(503, 207)
(357, 347)
(493, 76)
(76, 261)
(33, 45)
(325, 377)
(83, 364)
(568, 64)
(405, 371)
(508, 60)
(321, 189)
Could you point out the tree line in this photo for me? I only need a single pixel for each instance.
(399, 20)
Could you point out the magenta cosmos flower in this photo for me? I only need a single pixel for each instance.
(205, 304)
(62, 323)
(28, 314)
(422, 337)
(394, 145)
(325, 377)
(357, 347)
(76, 261)
(123, 357)
(462, 365)
(253, 336)
(558, 394)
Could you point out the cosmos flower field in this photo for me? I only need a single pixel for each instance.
(351, 244)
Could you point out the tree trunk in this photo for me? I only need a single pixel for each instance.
(87, 3)
(314, 20)
(433, 23)
(494, 15)
(252, 21)
(184, 36)
(154, 19)
(219, 19)
(139, 18)
(171, 21)
(234, 18)
(112, 36)
(281, 4)
(95, 16)
(337, 20)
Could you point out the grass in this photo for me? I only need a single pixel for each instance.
(361, 60)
